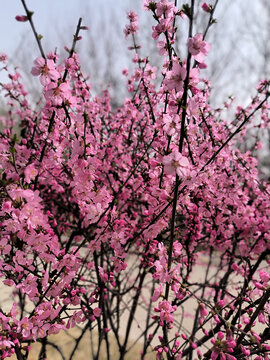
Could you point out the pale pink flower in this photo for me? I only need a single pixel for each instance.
(97, 312)
(163, 26)
(264, 276)
(261, 317)
(30, 173)
(166, 312)
(132, 16)
(166, 8)
(171, 124)
(24, 327)
(176, 77)
(158, 291)
(55, 329)
(194, 74)
(103, 275)
(177, 248)
(163, 47)
(4, 344)
(57, 94)
(176, 163)
(150, 71)
(40, 330)
(46, 69)
(132, 27)
(193, 109)
(198, 48)
(161, 273)
(3, 57)
(149, 4)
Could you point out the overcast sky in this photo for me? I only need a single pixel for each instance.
(51, 16)
(238, 26)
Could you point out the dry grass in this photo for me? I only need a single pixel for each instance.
(65, 340)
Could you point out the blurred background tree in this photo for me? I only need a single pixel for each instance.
(239, 56)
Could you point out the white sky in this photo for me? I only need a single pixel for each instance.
(56, 20)
(51, 16)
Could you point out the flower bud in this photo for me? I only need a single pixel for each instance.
(21, 18)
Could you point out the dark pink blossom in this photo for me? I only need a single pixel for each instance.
(21, 18)
(206, 7)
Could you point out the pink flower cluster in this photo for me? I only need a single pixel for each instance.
(132, 27)
(166, 311)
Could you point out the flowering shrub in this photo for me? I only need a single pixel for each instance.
(110, 214)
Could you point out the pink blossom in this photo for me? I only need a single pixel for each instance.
(46, 69)
(103, 275)
(214, 355)
(57, 93)
(132, 16)
(177, 248)
(198, 48)
(55, 329)
(193, 107)
(7, 207)
(176, 163)
(244, 350)
(30, 173)
(163, 47)
(175, 78)
(264, 276)
(40, 329)
(97, 312)
(161, 273)
(163, 26)
(171, 124)
(158, 291)
(230, 342)
(150, 72)
(166, 8)
(3, 57)
(166, 312)
(230, 357)
(203, 310)
(6, 343)
(261, 317)
(132, 27)
(25, 326)
(149, 4)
